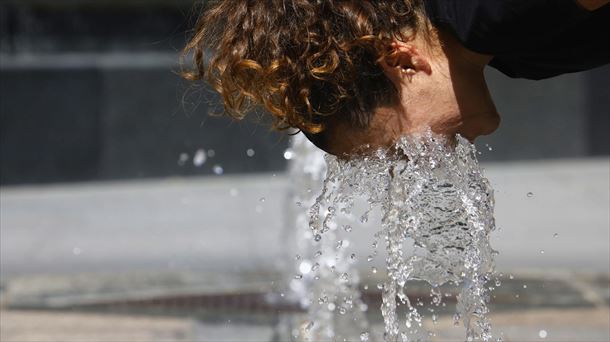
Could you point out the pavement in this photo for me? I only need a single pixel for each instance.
(235, 223)
(36, 326)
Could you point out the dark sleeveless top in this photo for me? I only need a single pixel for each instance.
(532, 39)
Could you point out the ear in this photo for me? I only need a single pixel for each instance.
(404, 62)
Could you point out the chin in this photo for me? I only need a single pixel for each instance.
(482, 124)
(490, 123)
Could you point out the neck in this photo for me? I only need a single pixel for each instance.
(453, 49)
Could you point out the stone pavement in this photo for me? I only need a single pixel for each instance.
(40, 326)
(32, 326)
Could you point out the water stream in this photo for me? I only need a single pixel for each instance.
(436, 213)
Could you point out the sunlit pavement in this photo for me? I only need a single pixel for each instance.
(214, 230)
(533, 325)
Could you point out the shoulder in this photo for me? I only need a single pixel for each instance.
(498, 26)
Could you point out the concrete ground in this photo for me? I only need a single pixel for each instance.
(534, 325)
(77, 327)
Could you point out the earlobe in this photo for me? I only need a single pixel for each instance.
(404, 62)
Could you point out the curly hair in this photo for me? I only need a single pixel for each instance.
(301, 60)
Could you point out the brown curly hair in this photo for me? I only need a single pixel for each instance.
(301, 60)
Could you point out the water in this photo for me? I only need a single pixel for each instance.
(436, 210)
(328, 285)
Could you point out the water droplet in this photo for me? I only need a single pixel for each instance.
(365, 287)
(308, 325)
(339, 244)
(288, 154)
(250, 152)
(182, 159)
(342, 310)
(344, 276)
(262, 200)
(456, 320)
(555, 235)
(298, 276)
(331, 306)
(374, 269)
(317, 237)
(489, 147)
(199, 158)
(369, 258)
(364, 336)
(315, 267)
(525, 286)
(542, 334)
(510, 276)
(317, 254)
(542, 251)
(299, 204)
(347, 228)
(297, 257)
(218, 170)
(305, 267)
(353, 256)
(530, 194)
(498, 282)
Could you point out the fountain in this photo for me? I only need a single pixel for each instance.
(436, 210)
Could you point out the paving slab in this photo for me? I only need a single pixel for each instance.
(32, 326)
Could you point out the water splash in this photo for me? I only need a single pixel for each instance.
(327, 282)
(436, 216)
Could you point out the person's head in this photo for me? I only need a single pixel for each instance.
(346, 73)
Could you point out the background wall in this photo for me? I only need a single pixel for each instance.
(89, 91)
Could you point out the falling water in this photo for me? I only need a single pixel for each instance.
(436, 211)
(326, 280)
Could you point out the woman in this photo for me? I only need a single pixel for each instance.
(362, 73)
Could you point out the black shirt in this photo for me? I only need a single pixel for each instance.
(531, 39)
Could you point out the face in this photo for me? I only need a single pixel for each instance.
(441, 89)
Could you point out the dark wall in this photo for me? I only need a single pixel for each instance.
(49, 125)
(89, 91)
(108, 123)
(51, 26)
(562, 117)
